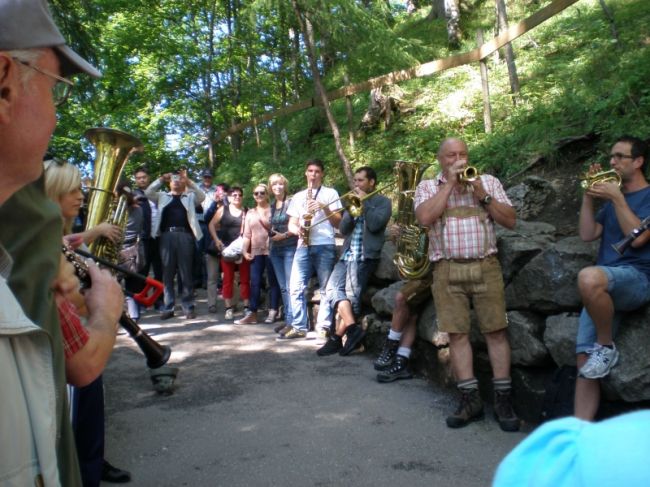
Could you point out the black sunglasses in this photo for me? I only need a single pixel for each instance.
(259, 193)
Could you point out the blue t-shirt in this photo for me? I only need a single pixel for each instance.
(639, 203)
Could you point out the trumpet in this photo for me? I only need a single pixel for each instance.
(589, 180)
(469, 174)
(352, 203)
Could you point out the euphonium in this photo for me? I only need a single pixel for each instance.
(589, 180)
(411, 258)
(113, 148)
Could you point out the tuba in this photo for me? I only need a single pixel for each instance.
(411, 258)
(113, 148)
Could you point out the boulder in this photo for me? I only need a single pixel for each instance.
(386, 269)
(526, 331)
(560, 338)
(547, 283)
(517, 247)
(529, 197)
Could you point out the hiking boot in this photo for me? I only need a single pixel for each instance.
(355, 334)
(387, 355)
(600, 362)
(503, 411)
(399, 370)
(333, 345)
(249, 318)
(293, 334)
(229, 314)
(469, 409)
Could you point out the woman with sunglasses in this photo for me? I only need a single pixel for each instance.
(228, 222)
(283, 242)
(257, 230)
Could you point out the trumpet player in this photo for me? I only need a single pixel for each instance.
(616, 283)
(461, 217)
(316, 251)
(364, 237)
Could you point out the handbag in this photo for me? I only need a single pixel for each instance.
(132, 257)
(233, 252)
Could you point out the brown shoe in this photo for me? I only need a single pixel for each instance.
(504, 412)
(249, 318)
(285, 329)
(470, 409)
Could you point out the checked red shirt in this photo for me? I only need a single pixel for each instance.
(464, 238)
(75, 336)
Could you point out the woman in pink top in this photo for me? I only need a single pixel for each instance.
(256, 244)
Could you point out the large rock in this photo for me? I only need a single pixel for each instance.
(525, 331)
(427, 327)
(560, 338)
(529, 197)
(630, 379)
(387, 270)
(517, 247)
(547, 284)
(383, 301)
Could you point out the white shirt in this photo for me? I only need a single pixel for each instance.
(323, 233)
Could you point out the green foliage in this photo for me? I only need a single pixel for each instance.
(191, 69)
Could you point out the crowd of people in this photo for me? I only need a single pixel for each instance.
(193, 235)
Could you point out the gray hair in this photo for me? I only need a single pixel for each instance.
(27, 56)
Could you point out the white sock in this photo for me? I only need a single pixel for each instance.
(394, 335)
(404, 352)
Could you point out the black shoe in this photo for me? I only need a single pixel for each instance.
(504, 412)
(165, 315)
(387, 355)
(399, 370)
(114, 475)
(333, 345)
(355, 334)
(470, 409)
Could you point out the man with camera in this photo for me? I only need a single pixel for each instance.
(177, 227)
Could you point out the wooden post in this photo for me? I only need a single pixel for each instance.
(348, 106)
(487, 109)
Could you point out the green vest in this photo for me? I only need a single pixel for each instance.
(31, 232)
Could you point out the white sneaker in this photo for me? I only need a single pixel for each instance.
(229, 314)
(600, 362)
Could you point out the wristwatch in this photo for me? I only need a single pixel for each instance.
(486, 200)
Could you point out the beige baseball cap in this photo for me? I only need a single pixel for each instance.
(28, 24)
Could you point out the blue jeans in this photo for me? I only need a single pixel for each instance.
(282, 260)
(348, 281)
(317, 259)
(629, 289)
(259, 264)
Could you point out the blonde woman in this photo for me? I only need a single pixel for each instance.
(257, 229)
(283, 242)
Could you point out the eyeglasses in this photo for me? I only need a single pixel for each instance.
(618, 156)
(259, 193)
(61, 90)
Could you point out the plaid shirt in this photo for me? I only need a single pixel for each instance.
(75, 336)
(464, 238)
(355, 252)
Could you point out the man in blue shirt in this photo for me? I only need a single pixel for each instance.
(616, 283)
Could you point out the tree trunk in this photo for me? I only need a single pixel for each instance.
(450, 10)
(610, 18)
(348, 107)
(502, 17)
(487, 109)
(305, 26)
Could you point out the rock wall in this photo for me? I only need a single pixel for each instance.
(543, 305)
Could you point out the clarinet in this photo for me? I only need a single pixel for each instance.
(156, 354)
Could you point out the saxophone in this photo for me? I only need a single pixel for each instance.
(411, 258)
(112, 148)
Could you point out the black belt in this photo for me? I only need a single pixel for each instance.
(177, 229)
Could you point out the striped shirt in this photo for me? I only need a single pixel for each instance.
(461, 238)
(354, 253)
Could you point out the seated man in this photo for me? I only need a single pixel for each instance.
(364, 238)
(617, 282)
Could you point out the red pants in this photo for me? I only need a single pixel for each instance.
(228, 269)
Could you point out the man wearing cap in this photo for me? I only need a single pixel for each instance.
(35, 65)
